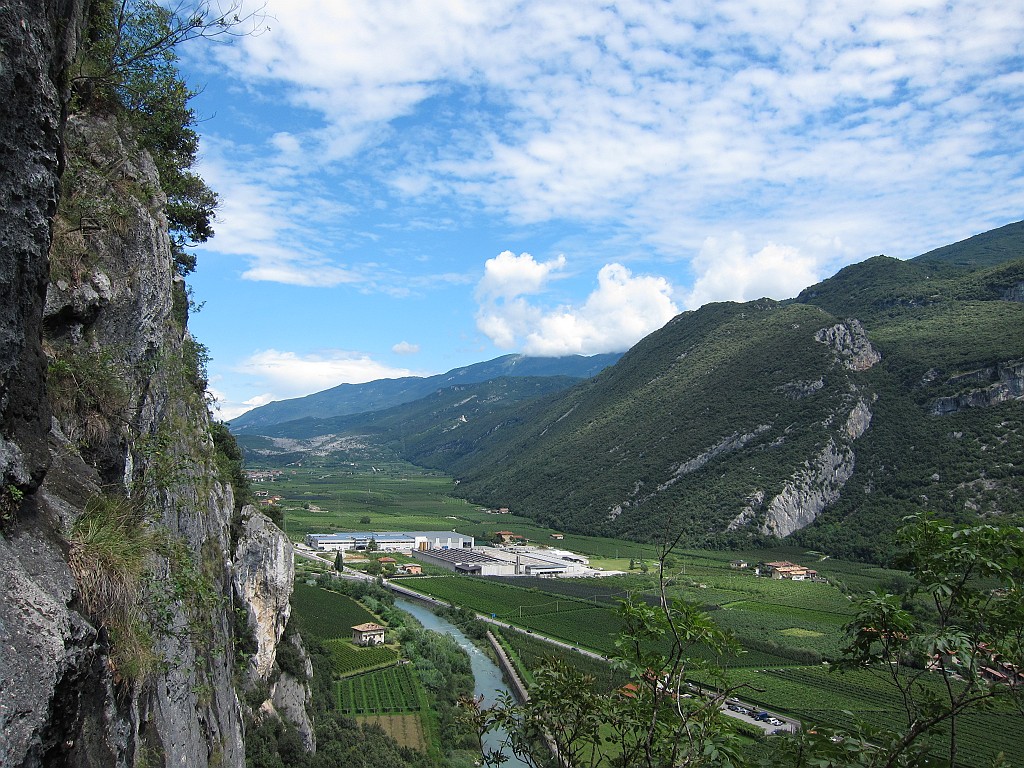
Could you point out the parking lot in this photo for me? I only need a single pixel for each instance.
(769, 722)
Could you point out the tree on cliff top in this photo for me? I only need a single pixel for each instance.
(128, 65)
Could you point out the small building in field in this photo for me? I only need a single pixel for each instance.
(737, 564)
(557, 536)
(786, 570)
(368, 634)
(412, 569)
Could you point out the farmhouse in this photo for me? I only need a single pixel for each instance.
(388, 541)
(784, 569)
(368, 634)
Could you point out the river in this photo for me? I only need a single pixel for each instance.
(487, 679)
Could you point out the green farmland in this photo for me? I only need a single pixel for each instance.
(786, 629)
(328, 615)
(386, 691)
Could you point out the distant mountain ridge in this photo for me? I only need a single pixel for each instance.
(348, 399)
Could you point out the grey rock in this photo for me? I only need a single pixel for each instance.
(263, 576)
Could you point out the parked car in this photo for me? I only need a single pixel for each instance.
(761, 716)
(774, 721)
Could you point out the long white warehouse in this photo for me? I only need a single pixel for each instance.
(389, 541)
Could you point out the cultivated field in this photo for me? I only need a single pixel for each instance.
(785, 628)
(327, 614)
(407, 730)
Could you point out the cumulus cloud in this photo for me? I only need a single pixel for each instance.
(289, 374)
(405, 348)
(226, 409)
(507, 275)
(726, 270)
(620, 311)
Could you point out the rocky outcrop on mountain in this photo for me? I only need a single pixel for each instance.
(38, 40)
(850, 343)
(812, 489)
(289, 697)
(1007, 384)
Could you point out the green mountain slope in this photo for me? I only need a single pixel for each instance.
(402, 429)
(740, 421)
(889, 389)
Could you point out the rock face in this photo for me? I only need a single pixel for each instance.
(38, 39)
(811, 490)
(1007, 384)
(850, 343)
(264, 573)
(87, 678)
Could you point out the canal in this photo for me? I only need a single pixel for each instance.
(487, 679)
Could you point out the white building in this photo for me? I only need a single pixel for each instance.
(388, 541)
(510, 561)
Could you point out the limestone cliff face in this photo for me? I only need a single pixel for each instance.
(37, 40)
(997, 384)
(96, 671)
(263, 575)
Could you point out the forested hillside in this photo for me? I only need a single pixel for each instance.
(891, 388)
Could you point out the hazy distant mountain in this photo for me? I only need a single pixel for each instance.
(892, 388)
(384, 393)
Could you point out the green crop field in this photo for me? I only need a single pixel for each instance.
(327, 614)
(384, 691)
(819, 696)
(347, 659)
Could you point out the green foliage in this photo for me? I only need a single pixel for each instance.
(659, 721)
(89, 393)
(10, 501)
(127, 65)
(290, 660)
(195, 358)
(109, 546)
(971, 577)
(230, 461)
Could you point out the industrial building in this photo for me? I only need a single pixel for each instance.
(511, 561)
(389, 541)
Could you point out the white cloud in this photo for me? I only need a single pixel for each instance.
(664, 118)
(225, 409)
(508, 275)
(289, 374)
(618, 313)
(727, 271)
(405, 348)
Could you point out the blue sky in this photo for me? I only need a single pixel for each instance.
(408, 187)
